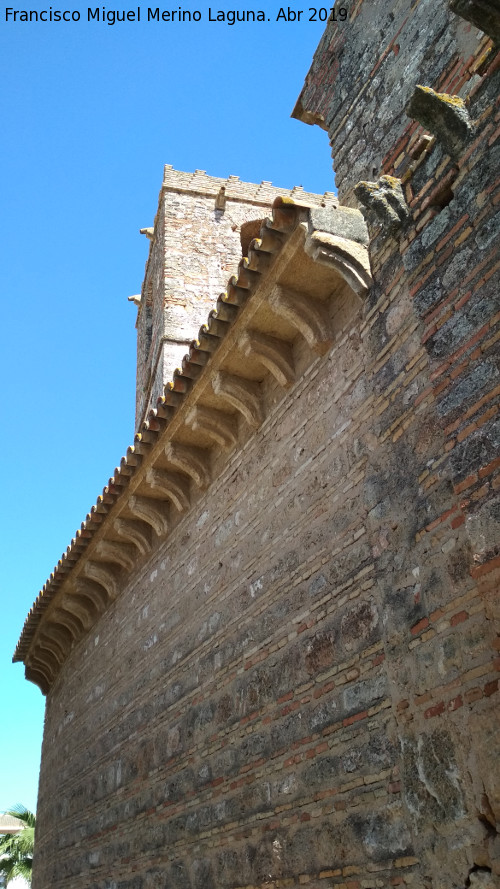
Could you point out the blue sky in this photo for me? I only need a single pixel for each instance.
(90, 113)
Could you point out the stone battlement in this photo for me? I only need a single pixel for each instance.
(235, 190)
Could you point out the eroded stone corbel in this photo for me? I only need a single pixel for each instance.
(194, 462)
(69, 621)
(220, 199)
(117, 553)
(217, 425)
(104, 577)
(58, 637)
(269, 240)
(171, 485)
(244, 395)
(40, 670)
(60, 633)
(308, 315)
(134, 532)
(37, 677)
(72, 602)
(151, 511)
(93, 596)
(274, 354)
(383, 203)
(445, 116)
(48, 644)
(347, 257)
(284, 214)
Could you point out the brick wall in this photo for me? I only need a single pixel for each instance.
(289, 691)
(365, 70)
(434, 241)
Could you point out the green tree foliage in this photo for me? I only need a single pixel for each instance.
(16, 849)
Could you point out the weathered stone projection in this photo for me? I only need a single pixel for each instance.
(104, 577)
(221, 427)
(276, 355)
(116, 553)
(242, 394)
(68, 621)
(193, 461)
(347, 257)
(443, 115)
(134, 532)
(80, 606)
(383, 203)
(171, 485)
(483, 14)
(151, 511)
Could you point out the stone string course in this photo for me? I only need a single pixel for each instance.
(298, 686)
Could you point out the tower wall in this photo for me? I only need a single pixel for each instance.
(196, 244)
(364, 72)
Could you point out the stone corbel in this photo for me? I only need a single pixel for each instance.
(194, 462)
(244, 395)
(269, 240)
(69, 621)
(72, 602)
(347, 257)
(116, 553)
(308, 315)
(94, 594)
(383, 203)
(217, 425)
(171, 485)
(39, 669)
(445, 116)
(276, 355)
(151, 511)
(104, 577)
(59, 632)
(133, 532)
(47, 644)
(483, 14)
(38, 677)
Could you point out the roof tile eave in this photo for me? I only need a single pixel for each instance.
(285, 213)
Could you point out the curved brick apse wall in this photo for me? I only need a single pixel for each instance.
(299, 684)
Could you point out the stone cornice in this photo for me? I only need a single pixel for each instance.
(284, 294)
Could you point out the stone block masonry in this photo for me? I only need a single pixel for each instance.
(431, 145)
(271, 654)
(195, 244)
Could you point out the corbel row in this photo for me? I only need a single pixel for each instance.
(158, 475)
